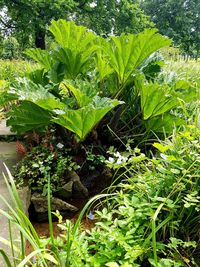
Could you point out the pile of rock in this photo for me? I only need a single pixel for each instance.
(73, 188)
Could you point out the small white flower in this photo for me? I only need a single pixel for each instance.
(117, 154)
(111, 160)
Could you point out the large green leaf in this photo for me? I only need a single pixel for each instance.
(104, 69)
(77, 46)
(164, 123)
(39, 76)
(28, 117)
(126, 53)
(26, 90)
(83, 120)
(84, 94)
(68, 34)
(43, 57)
(156, 99)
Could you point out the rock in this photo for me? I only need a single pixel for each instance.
(98, 180)
(41, 205)
(65, 191)
(79, 190)
(25, 196)
(73, 176)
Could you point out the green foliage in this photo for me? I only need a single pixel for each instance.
(40, 56)
(10, 70)
(76, 46)
(40, 108)
(160, 190)
(188, 71)
(106, 67)
(126, 54)
(46, 252)
(28, 117)
(10, 48)
(94, 160)
(17, 218)
(157, 200)
(178, 20)
(156, 99)
(30, 19)
(43, 162)
(83, 120)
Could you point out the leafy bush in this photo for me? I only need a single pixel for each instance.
(40, 163)
(10, 48)
(82, 63)
(80, 57)
(154, 217)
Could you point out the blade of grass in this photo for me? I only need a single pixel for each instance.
(49, 212)
(6, 259)
(11, 243)
(34, 253)
(154, 245)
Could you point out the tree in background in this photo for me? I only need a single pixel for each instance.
(178, 19)
(111, 16)
(27, 20)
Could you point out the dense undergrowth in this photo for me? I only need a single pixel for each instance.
(151, 217)
(96, 104)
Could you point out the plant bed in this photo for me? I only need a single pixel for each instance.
(73, 174)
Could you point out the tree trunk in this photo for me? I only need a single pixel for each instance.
(40, 39)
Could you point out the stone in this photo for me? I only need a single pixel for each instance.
(25, 196)
(65, 192)
(79, 190)
(98, 180)
(41, 205)
(8, 155)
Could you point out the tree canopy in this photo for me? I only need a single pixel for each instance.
(180, 20)
(28, 19)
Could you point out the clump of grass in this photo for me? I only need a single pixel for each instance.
(11, 69)
(187, 70)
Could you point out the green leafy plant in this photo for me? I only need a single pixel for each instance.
(83, 120)
(40, 163)
(157, 201)
(17, 218)
(126, 53)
